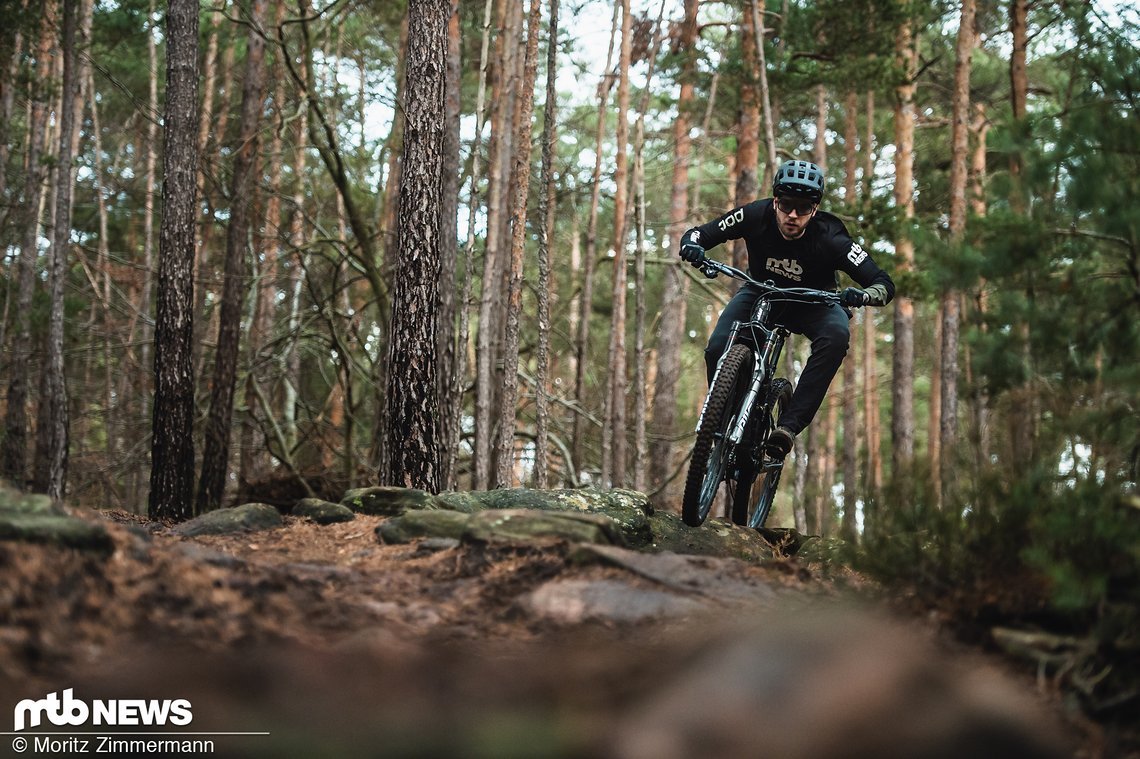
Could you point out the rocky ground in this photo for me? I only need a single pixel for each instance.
(507, 625)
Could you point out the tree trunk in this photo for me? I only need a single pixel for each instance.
(415, 457)
(151, 180)
(934, 439)
(210, 124)
(520, 184)
(850, 147)
(671, 330)
(959, 163)
(828, 434)
(215, 456)
(819, 150)
(292, 357)
(902, 359)
(582, 339)
(848, 527)
(492, 306)
(640, 355)
(758, 8)
(11, 49)
(450, 393)
(469, 246)
(614, 424)
(51, 459)
(103, 289)
(980, 396)
(1023, 416)
(172, 444)
(748, 128)
(546, 233)
(15, 444)
(873, 479)
(393, 145)
(268, 254)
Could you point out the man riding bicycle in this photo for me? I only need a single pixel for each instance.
(793, 244)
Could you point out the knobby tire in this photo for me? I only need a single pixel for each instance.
(760, 476)
(710, 452)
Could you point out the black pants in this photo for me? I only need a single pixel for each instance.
(824, 324)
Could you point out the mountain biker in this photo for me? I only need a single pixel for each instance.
(791, 243)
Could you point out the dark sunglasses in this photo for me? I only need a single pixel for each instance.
(799, 206)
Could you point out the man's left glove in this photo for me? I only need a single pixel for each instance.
(692, 253)
(853, 297)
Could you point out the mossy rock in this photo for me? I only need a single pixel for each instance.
(56, 529)
(322, 512)
(245, 518)
(627, 509)
(527, 525)
(502, 526)
(33, 518)
(423, 524)
(383, 501)
(716, 537)
(15, 502)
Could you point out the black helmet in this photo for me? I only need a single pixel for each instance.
(800, 179)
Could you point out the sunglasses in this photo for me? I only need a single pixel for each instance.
(797, 205)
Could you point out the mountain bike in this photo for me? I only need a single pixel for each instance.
(740, 411)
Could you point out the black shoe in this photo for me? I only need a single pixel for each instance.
(780, 442)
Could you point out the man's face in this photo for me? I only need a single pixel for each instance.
(793, 215)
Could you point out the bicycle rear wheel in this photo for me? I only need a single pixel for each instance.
(760, 474)
(711, 451)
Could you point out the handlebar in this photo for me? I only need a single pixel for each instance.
(711, 269)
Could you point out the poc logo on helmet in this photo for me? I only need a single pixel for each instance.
(73, 711)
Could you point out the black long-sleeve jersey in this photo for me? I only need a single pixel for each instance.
(812, 260)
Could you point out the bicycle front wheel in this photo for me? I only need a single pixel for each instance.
(760, 475)
(711, 451)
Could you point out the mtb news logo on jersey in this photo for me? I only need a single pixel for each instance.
(785, 267)
(68, 710)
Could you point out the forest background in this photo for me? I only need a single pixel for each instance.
(984, 426)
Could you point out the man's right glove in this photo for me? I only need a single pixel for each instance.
(692, 253)
(854, 297)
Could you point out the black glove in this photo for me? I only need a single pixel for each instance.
(853, 297)
(692, 253)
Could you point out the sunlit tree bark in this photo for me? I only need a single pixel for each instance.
(547, 212)
(671, 330)
(614, 433)
(520, 184)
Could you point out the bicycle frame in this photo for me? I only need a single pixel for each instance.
(731, 430)
(765, 341)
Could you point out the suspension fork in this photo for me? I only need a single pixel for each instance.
(716, 373)
(763, 369)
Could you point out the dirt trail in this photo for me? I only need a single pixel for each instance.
(336, 644)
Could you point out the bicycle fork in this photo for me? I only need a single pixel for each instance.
(764, 363)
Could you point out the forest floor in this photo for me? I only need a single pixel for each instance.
(321, 640)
